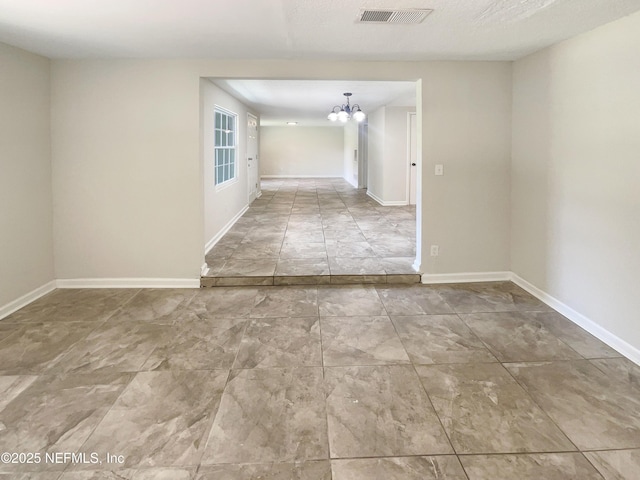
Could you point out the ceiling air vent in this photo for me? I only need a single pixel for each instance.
(407, 16)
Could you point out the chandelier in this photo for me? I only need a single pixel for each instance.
(346, 111)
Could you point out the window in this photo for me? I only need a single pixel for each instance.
(225, 146)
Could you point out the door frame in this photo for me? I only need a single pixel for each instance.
(257, 191)
(411, 140)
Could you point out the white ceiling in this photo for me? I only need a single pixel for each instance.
(292, 29)
(309, 102)
(310, 29)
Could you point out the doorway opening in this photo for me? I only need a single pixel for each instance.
(326, 203)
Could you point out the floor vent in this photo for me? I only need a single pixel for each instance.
(409, 16)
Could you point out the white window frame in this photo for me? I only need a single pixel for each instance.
(229, 152)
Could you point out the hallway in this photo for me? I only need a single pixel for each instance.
(315, 231)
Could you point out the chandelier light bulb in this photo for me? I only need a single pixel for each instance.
(359, 116)
(343, 116)
(333, 116)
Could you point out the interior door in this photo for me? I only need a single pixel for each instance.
(413, 158)
(252, 156)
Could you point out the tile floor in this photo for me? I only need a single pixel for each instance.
(315, 231)
(342, 382)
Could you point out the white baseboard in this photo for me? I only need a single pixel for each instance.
(211, 243)
(128, 283)
(428, 278)
(615, 342)
(300, 176)
(395, 203)
(26, 299)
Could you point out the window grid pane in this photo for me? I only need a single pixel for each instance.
(225, 148)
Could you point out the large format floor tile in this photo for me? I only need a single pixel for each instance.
(444, 467)
(12, 386)
(120, 346)
(361, 341)
(314, 382)
(595, 410)
(313, 470)
(578, 339)
(224, 302)
(195, 342)
(270, 415)
(432, 339)
(484, 410)
(616, 464)
(547, 466)
(304, 227)
(357, 300)
(132, 474)
(32, 348)
(161, 419)
(280, 342)
(159, 306)
(380, 411)
(282, 302)
(32, 476)
(515, 337)
(91, 305)
(412, 300)
(489, 297)
(57, 414)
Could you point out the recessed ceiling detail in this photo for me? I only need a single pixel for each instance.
(407, 16)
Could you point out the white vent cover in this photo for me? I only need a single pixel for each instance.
(407, 16)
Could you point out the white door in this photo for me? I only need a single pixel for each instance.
(252, 156)
(413, 158)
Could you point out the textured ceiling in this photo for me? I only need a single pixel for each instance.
(311, 29)
(309, 102)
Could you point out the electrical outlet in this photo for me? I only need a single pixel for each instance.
(435, 250)
(439, 169)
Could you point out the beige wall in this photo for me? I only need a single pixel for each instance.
(576, 171)
(350, 161)
(464, 123)
(466, 126)
(26, 232)
(302, 151)
(128, 167)
(222, 204)
(388, 155)
(375, 159)
(127, 178)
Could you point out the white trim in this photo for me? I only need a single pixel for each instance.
(221, 186)
(470, 277)
(128, 283)
(300, 176)
(417, 265)
(216, 238)
(257, 167)
(230, 181)
(395, 203)
(26, 299)
(615, 342)
(408, 183)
